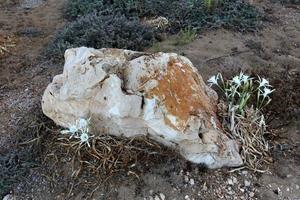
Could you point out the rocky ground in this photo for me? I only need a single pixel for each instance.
(274, 51)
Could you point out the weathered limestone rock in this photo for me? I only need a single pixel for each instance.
(132, 93)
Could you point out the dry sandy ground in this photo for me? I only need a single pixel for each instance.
(274, 50)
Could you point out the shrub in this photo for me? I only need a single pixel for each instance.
(232, 14)
(116, 23)
(76, 8)
(98, 31)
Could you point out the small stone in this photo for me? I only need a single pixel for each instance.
(192, 182)
(186, 179)
(230, 192)
(234, 180)
(244, 172)
(247, 183)
(162, 196)
(297, 187)
(9, 197)
(151, 192)
(251, 194)
(289, 175)
(187, 197)
(151, 198)
(242, 190)
(229, 181)
(156, 197)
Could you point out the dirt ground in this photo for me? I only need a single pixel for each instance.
(274, 51)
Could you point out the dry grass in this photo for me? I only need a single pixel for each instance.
(6, 44)
(109, 154)
(250, 133)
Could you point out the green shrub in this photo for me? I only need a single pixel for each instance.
(116, 23)
(76, 8)
(98, 31)
(232, 14)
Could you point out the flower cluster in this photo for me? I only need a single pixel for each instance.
(239, 90)
(79, 130)
(244, 98)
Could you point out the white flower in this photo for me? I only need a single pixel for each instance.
(245, 78)
(263, 82)
(72, 129)
(82, 123)
(266, 92)
(241, 75)
(262, 121)
(84, 138)
(213, 80)
(237, 80)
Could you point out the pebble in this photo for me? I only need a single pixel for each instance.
(151, 192)
(251, 194)
(234, 180)
(244, 172)
(297, 187)
(192, 182)
(229, 181)
(8, 197)
(247, 183)
(156, 197)
(230, 192)
(187, 197)
(162, 196)
(186, 179)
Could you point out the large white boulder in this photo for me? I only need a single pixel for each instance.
(131, 93)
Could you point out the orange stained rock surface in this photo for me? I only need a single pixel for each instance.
(182, 92)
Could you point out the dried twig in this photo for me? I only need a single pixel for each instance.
(6, 43)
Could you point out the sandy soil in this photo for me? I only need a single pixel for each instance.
(274, 51)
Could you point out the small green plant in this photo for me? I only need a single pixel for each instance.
(243, 100)
(241, 89)
(211, 4)
(186, 36)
